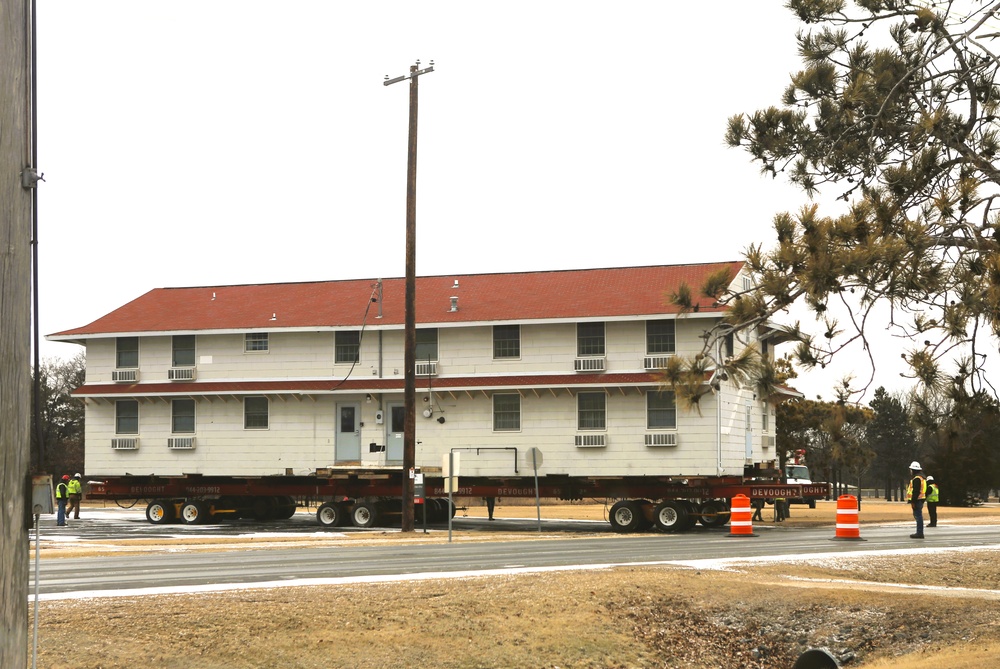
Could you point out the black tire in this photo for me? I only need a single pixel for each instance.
(672, 516)
(286, 508)
(435, 511)
(161, 512)
(194, 512)
(812, 504)
(714, 513)
(364, 514)
(331, 514)
(645, 514)
(626, 516)
(693, 514)
(264, 508)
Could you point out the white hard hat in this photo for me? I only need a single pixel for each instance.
(915, 465)
(76, 476)
(930, 478)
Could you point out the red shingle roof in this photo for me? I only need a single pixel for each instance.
(523, 296)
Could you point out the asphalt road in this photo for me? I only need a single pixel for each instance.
(184, 571)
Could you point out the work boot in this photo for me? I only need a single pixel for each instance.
(916, 536)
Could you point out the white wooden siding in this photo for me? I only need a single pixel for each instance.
(302, 429)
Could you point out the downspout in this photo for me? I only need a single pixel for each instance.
(718, 410)
(379, 288)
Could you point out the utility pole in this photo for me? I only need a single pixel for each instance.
(18, 178)
(410, 327)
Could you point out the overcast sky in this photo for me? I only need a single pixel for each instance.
(206, 143)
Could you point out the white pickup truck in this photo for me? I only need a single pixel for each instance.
(799, 474)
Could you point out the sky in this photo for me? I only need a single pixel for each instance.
(211, 143)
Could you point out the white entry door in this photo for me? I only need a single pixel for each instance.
(348, 433)
(394, 433)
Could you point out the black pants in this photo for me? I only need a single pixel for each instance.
(932, 512)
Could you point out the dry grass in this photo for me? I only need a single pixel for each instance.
(625, 617)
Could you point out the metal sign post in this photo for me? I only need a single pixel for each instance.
(536, 462)
(450, 466)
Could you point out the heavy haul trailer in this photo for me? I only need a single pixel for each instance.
(368, 498)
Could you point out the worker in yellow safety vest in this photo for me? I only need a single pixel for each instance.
(916, 493)
(75, 496)
(62, 496)
(933, 496)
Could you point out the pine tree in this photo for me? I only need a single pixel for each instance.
(894, 111)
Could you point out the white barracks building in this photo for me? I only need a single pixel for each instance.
(278, 379)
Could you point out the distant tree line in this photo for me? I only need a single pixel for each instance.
(57, 437)
(872, 447)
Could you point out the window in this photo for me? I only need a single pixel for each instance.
(763, 348)
(127, 417)
(660, 337)
(661, 411)
(255, 413)
(506, 341)
(347, 346)
(764, 420)
(730, 345)
(590, 339)
(255, 342)
(427, 345)
(183, 351)
(506, 412)
(182, 416)
(591, 411)
(127, 353)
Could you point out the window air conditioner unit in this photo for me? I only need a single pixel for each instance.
(181, 374)
(589, 364)
(125, 375)
(655, 361)
(661, 439)
(426, 369)
(591, 441)
(125, 443)
(180, 443)
(768, 441)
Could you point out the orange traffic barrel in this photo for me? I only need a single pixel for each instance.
(741, 517)
(847, 518)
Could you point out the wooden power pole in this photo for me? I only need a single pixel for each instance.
(410, 326)
(17, 184)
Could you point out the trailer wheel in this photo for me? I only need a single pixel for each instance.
(263, 508)
(286, 508)
(626, 516)
(364, 514)
(194, 512)
(812, 504)
(671, 516)
(331, 514)
(714, 514)
(448, 508)
(160, 512)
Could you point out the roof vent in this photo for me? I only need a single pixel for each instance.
(454, 303)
